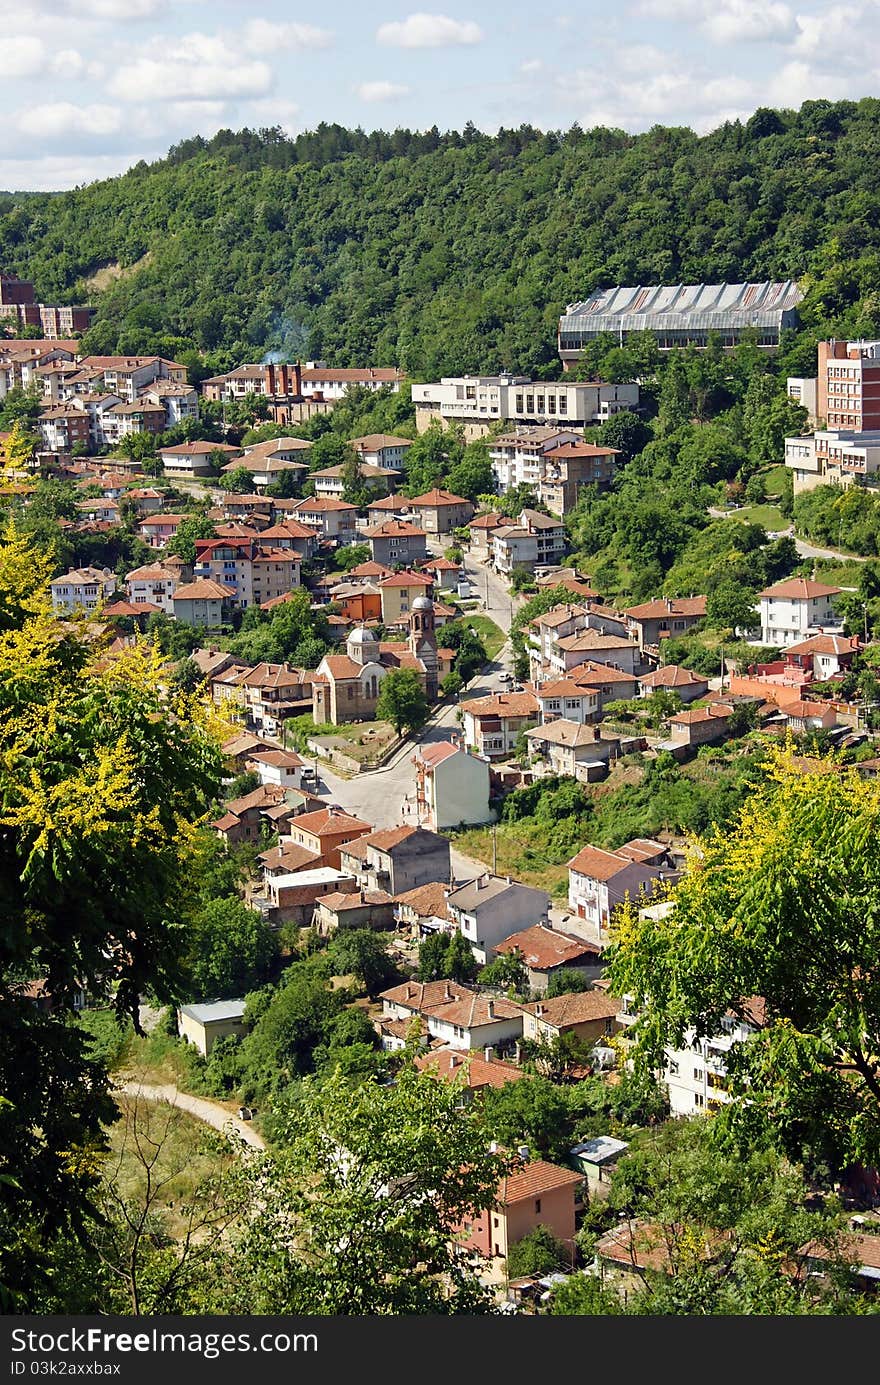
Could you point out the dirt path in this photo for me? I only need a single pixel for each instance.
(211, 1112)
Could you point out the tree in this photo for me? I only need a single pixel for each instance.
(626, 432)
(365, 953)
(507, 971)
(357, 1211)
(352, 555)
(731, 607)
(556, 1057)
(472, 476)
(446, 957)
(780, 906)
(402, 701)
(530, 1112)
(240, 481)
(183, 543)
(538, 1252)
(102, 771)
(230, 951)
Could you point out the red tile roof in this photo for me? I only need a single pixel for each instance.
(534, 1179)
(477, 1073)
(798, 589)
(203, 590)
(673, 606)
(436, 498)
(544, 948)
(575, 1007)
(329, 822)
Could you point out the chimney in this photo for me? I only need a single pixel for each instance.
(447, 993)
(523, 1151)
(297, 379)
(454, 1061)
(489, 1053)
(539, 1010)
(270, 379)
(491, 1009)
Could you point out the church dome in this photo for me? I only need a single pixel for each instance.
(423, 603)
(361, 636)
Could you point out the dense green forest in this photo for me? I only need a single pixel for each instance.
(451, 252)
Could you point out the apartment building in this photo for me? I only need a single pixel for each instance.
(82, 589)
(796, 608)
(848, 385)
(517, 457)
(255, 572)
(534, 540)
(834, 457)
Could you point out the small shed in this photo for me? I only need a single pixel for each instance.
(597, 1159)
(202, 1025)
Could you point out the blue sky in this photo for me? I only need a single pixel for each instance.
(91, 86)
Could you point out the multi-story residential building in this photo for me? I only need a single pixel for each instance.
(64, 427)
(492, 724)
(452, 787)
(600, 881)
(848, 385)
(686, 684)
(681, 315)
(664, 618)
(570, 467)
(382, 450)
(330, 479)
(564, 698)
(296, 392)
(396, 542)
(180, 402)
(457, 1016)
(397, 859)
(18, 302)
(477, 401)
(545, 632)
(129, 376)
(157, 529)
(804, 391)
(517, 457)
(120, 421)
(487, 910)
(570, 651)
(796, 608)
(82, 589)
(153, 585)
(573, 748)
(535, 540)
(399, 591)
(439, 511)
(193, 459)
(324, 833)
(202, 602)
(267, 461)
(255, 572)
(332, 519)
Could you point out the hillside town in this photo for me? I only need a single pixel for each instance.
(470, 751)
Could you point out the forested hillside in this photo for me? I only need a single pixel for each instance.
(453, 252)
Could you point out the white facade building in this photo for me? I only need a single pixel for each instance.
(479, 400)
(793, 610)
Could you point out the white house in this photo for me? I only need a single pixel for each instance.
(451, 786)
(459, 1017)
(487, 910)
(382, 450)
(153, 585)
(793, 610)
(600, 881)
(82, 588)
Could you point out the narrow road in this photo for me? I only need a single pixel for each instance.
(211, 1112)
(806, 550)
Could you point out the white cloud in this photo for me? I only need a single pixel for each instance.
(262, 36)
(62, 119)
(51, 172)
(728, 21)
(270, 110)
(428, 31)
(23, 56)
(381, 91)
(749, 21)
(119, 9)
(196, 67)
(839, 31)
(67, 63)
(530, 66)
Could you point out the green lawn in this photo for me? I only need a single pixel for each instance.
(774, 480)
(769, 516)
(492, 635)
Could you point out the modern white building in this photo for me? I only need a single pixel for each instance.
(796, 608)
(452, 787)
(833, 457)
(459, 1017)
(476, 401)
(518, 457)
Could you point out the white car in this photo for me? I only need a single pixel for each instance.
(505, 676)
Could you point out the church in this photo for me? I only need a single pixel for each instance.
(346, 686)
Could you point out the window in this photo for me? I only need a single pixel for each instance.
(496, 1223)
(672, 1068)
(698, 1098)
(537, 1204)
(698, 1074)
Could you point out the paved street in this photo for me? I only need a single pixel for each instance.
(385, 797)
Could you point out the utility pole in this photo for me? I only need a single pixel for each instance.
(721, 652)
(494, 848)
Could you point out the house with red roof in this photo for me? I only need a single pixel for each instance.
(332, 519)
(202, 602)
(460, 1017)
(398, 859)
(534, 1194)
(599, 881)
(664, 618)
(396, 542)
(587, 1015)
(547, 952)
(439, 511)
(325, 832)
(682, 681)
(793, 610)
(492, 724)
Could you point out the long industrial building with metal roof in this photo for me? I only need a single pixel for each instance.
(681, 314)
